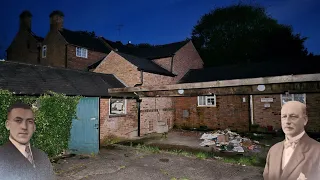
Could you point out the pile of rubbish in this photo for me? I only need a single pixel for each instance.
(228, 141)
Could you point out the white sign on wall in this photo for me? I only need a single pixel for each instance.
(267, 105)
(266, 99)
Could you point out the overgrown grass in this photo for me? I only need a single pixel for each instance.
(244, 160)
(151, 149)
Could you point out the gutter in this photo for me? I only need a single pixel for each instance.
(225, 83)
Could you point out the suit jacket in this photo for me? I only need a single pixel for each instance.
(305, 161)
(14, 165)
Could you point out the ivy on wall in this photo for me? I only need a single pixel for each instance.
(53, 118)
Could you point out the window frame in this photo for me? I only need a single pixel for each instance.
(206, 101)
(44, 51)
(292, 97)
(124, 109)
(81, 52)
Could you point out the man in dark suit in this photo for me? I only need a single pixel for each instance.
(18, 160)
(298, 156)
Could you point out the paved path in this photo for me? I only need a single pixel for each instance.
(126, 163)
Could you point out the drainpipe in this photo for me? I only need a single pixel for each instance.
(66, 56)
(171, 70)
(251, 112)
(138, 105)
(39, 53)
(141, 77)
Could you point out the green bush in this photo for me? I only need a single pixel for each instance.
(53, 117)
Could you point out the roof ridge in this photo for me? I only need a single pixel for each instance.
(147, 60)
(53, 67)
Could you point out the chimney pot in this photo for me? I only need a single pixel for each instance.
(56, 20)
(25, 20)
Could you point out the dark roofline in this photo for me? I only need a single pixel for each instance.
(60, 68)
(95, 64)
(159, 73)
(114, 81)
(165, 73)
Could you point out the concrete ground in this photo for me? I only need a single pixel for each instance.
(128, 163)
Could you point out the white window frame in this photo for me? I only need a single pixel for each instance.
(206, 101)
(124, 110)
(44, 51)
(292, 97)
(81, 52)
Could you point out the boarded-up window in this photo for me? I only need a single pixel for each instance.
(117, 106)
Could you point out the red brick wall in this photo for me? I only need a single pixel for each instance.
(150, 79)
(121, 126)
(117, 65)
(164, 62)
(80, 63)
(185, 59)
(230, 112)
(20, 51)
(313, 110)
(157, 114)
(267, 116)
(56, 50)
(272, 116)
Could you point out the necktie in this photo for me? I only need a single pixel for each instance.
(29, 155)
(288, 144)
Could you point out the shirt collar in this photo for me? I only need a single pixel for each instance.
(20, 147)
(296, 138)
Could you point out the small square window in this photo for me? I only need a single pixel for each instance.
(81, 52)
(207, 101)
(117, 106)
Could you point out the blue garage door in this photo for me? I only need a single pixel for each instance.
(85, 129)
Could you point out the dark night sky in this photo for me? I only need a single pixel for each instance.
(148, 21)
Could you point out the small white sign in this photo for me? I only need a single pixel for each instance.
(266, 99)
(267, 105)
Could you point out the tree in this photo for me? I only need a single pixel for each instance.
(244, 33)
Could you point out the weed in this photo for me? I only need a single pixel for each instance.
(202, 155)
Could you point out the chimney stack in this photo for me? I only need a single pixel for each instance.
(25, 20)
(56, 20)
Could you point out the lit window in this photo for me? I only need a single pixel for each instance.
(44, 51)
(207, 101)
(81, 52)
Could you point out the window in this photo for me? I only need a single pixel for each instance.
(44, 51)
(81, 52)
(117, 106)
(207, 101)
(293, 97)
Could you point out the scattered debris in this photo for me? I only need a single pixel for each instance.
(229, 141)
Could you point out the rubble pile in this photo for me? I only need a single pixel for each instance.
(229, 141)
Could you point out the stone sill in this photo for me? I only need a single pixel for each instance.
(117, 115)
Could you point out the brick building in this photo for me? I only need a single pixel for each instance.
(60, 47)
(239, 96)
(131, 64)
(148, 66)
(70, 49)
(26, 45)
